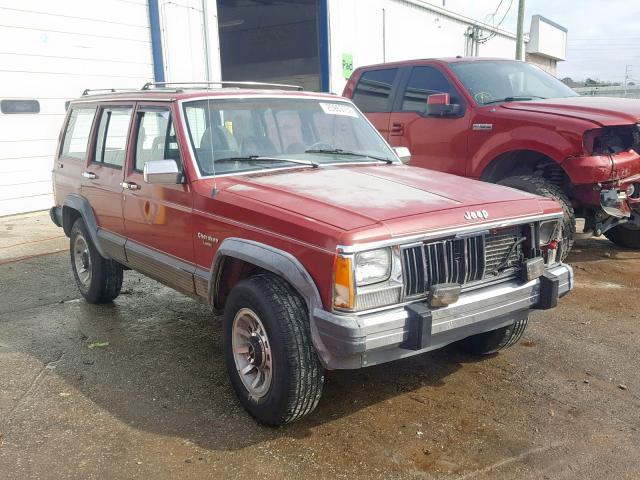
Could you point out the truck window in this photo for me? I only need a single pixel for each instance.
(76, 136)
(374, 90)
(111, 145)
(156, 139)
(423, 82)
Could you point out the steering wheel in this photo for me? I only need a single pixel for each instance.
(483, 97)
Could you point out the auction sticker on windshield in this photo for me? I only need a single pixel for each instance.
(339, 109)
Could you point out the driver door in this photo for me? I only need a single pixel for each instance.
(157, 217)
(436, 142)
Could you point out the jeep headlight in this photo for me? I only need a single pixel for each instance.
(367, 280)
(548, 232)
(373, 266)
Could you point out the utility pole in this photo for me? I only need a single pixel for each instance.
(627, 70)
(520, 32)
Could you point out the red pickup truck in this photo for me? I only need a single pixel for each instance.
(509, 122)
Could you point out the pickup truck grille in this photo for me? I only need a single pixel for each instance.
(464, 260)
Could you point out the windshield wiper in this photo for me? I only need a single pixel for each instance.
(259, 158)
(513, 99)
(339, 151)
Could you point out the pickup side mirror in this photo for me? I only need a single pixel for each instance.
(403, 154)
(438, 106)
(162, 172)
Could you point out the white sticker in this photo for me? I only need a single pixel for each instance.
(339, 109)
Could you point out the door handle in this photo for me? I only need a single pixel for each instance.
(397, 129)
(130, 185)
(89, 175)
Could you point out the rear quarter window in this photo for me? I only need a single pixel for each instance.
(76, 135)
(373, 92)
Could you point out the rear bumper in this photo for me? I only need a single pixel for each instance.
(355, 341)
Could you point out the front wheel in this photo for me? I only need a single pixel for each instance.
(271, 362)
(495, 340)
(543, 187)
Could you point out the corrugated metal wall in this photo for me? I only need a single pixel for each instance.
(379, 31)
(51, 51)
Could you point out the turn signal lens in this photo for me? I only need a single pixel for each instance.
(343, 291)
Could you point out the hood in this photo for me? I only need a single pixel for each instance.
(603, 111)
(353, 197)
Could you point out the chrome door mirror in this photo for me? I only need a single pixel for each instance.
(162, 172)
(403, 154)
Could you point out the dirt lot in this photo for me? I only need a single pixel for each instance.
(155, 403)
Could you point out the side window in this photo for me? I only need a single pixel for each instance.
(76, 136)
(423, 82)
(156, 139)
(111, 145)
(374, 90)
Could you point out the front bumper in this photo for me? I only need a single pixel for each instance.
(355, 341)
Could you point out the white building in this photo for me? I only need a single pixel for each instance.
(52, 51)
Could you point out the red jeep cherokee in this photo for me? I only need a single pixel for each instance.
(509, 122)
(288, 212)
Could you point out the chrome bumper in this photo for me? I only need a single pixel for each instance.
(355, 341)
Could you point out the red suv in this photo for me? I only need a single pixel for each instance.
(289, 213)
(509, 122)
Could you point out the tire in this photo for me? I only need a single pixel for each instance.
(491, 342)
(283, 336)
(624, 236)
(98, 279)
(541, 186)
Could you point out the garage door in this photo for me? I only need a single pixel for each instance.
(51, 52)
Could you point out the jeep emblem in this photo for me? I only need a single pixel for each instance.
(476, 215)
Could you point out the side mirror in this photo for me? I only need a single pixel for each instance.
(162, 172)
(403, 154)
(438, 106)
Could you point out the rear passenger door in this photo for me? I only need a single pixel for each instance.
(157, 218)
(435, 142)
(374, 94)
(102, 178)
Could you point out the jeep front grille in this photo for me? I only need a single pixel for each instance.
(465, 260)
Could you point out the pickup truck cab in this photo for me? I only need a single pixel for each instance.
(288, 213)
(509, 122)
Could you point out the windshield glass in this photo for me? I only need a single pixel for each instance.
(500, 80)
(247, 134)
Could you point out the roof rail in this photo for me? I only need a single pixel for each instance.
(97, 91)
(149, 85)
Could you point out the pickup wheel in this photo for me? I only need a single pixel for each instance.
(495, 340)
(99, 279)
(271, 362)
(541, 186)
(627, 236)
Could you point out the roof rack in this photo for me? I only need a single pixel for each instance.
(150, 85)
(97, 91)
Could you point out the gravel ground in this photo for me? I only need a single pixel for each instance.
(154, 402)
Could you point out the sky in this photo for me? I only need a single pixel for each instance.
(603, 37)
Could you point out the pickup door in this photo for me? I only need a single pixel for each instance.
(374, 95)
(435, 142)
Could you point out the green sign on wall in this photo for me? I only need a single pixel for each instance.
(347, 65)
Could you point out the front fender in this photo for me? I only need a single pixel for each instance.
(280, 263)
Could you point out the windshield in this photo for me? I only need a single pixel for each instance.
(502, 80)
(248, 134)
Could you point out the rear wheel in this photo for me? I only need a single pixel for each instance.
(271, 362)
(541, 186)
(495, 340)
(98, 279)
